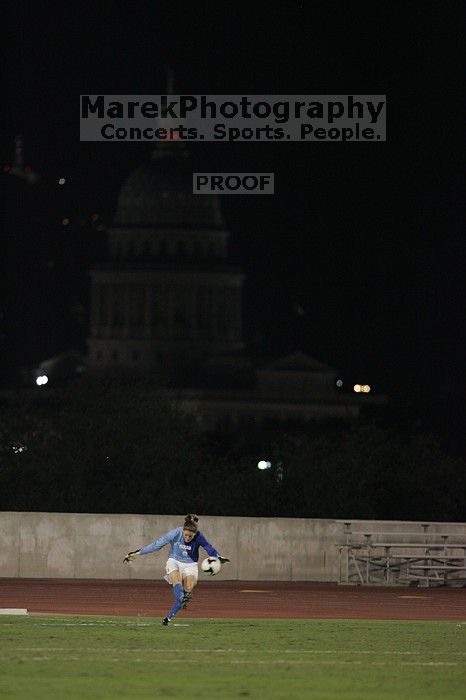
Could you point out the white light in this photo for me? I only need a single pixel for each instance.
(42, 380)
(61, 181)
(362, 388)
(339, 383)
(264, 465)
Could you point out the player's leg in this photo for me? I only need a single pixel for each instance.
(189, 581)
(175, 578)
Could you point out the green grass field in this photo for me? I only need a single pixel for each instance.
(112, 657)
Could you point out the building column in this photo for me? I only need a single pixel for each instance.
(95, 308)
(147, 310)
(193, 311)
(170, 310)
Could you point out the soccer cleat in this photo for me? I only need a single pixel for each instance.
(186, 598)
(165, 621)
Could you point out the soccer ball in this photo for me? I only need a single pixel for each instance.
(211, 566)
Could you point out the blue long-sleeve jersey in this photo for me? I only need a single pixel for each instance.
(179, 549)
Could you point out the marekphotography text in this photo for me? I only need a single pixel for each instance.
(233, 118)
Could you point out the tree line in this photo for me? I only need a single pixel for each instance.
(106, 448)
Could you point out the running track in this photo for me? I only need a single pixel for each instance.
(246, 599)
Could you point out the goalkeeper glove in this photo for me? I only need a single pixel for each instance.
(130, 556)
(223, 559)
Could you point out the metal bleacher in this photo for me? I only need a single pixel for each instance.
(401, 558)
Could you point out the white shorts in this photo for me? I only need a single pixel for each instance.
(185, 569)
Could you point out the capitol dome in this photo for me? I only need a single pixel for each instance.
(159, 194)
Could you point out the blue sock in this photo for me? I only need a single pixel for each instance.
(174, 609)
(178, 593)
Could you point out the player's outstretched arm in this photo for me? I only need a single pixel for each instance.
(130, 556)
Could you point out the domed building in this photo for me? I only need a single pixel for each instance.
(168, 305)
(168, 296)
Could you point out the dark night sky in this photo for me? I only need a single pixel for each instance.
(366, 238)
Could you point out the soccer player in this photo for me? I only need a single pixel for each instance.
(181, 568)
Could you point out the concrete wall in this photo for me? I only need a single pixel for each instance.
(75, 545)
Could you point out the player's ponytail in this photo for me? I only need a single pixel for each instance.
(190, 522)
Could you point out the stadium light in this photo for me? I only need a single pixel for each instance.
(42, 380)
(264, 465)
